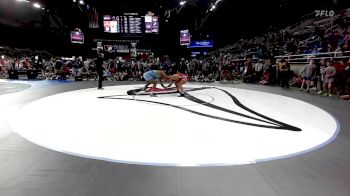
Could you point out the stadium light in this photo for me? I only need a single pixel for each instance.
(74, 1)
(2, 56)
(182, 3)
(213, 6)
(37, 5)
(81, 2)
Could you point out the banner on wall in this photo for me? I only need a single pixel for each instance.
(185, 38)
(202, 44)
(123, 49)
(77, 37)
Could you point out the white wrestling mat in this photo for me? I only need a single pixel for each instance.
(210, 126)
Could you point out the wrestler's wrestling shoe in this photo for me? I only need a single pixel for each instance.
(152, 94)
(181, 95)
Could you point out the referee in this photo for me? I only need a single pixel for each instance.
(99, 69)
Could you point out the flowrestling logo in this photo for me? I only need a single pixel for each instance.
(116, 48)
(324, 13)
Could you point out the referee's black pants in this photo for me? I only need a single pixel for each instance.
(100, 78)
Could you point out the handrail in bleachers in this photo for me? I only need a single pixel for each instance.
(305, 58)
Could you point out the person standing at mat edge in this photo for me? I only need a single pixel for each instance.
(99, 69)
(284, 70)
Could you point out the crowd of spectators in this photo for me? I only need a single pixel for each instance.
(314, 77)
(115, 69)
(321, 39)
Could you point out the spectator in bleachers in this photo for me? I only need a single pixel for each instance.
(319, 74)
(49, 73)
(292, 46)
(342, 76)
(307, 74)
(2, 67)
(347, 82)
(258, 71)
(85, 72)
(205, 69)
(248, 72)
(265, 78)
(112, 71)
(346, 40)
(274, 72)
(267, 65)
(341, 21)
(324, 44)
(328, 74)
(336, 39)
(296, 81)
(284, 73)
(315, 50)
(77, 73)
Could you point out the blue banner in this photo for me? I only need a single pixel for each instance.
(202, 44)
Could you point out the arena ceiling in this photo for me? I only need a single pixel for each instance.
(228, 22)
(195, 14)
